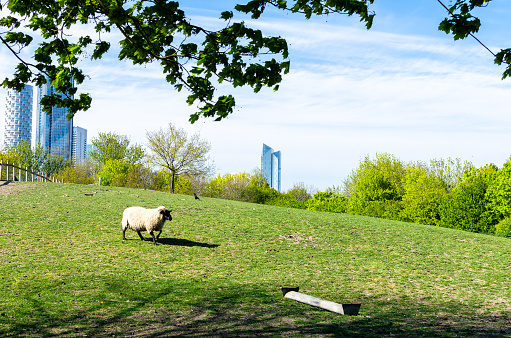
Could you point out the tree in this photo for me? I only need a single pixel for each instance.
(498, 193)
(174, 151)
(114, 172)
(37, 159)
(190, 56)
(424, 192)
(462, 24)
(139, 176)
(79, 174)
(376, 179)
(467, 206)
(111, 146)
(328, 201)
(228, 186)
(54, 164)
(26, 156)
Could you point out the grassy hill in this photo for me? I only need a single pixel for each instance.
(219, 267)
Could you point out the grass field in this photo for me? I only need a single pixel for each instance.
(219, 266)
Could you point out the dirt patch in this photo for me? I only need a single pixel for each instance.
(7, 188)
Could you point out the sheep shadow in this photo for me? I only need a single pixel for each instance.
(184, 242)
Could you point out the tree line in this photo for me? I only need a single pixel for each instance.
(449, 193)
(118, 162)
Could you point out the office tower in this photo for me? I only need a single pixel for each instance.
(270, 166)
(54, 132)
(18, 116)
(79, 145)
(90, 147)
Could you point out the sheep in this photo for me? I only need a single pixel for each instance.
(139, 219)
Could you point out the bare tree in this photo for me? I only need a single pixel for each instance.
(181, 155)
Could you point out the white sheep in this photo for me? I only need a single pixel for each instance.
(139, 219)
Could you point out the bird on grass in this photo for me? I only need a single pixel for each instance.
(196, 197)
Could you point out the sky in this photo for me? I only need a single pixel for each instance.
(402, 88)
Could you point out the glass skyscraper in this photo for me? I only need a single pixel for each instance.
(54, 132)
(18, 116)
(270, 166)
(79, 144)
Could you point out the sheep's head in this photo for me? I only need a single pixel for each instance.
(166, 213)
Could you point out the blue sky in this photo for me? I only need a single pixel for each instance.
(402, 87)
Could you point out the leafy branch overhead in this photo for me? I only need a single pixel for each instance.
(158, 31)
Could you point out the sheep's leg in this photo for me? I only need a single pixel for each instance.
(158, 237)
(124, 234)
(154, 239)
(141, 237)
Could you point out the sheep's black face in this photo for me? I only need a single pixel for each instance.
(166, 214)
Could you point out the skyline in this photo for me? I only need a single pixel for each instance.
(402, 88)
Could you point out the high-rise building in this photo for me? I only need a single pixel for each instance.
(270, 166)
(18, 116)
(79, 145)
(90, 147)
(54, 132)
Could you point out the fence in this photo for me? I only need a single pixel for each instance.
(8, 173)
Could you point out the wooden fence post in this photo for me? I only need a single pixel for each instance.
(1, 166)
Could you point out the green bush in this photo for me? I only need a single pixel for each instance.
(498, 194)
(327, 201)
(115, 172)
(287, 201)
(259, 194)
(423, 193)
(373, 183)
(466, 206)
(299, 192)
(503, 228)
(78, 174)
(296, 197)
(228, 186)
(139, 176)
(160, 181)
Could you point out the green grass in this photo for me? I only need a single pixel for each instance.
(219, 267)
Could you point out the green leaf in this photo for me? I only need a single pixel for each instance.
(227, 15)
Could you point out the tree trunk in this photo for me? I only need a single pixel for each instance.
(172, 183)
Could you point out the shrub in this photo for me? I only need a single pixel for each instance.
(287, 201)
(139, 176)
(498, 194)
(327, 201)
(161, 181)
(114, 172)
(78, 174)
(375, 180)
(503, 228)
(381, 209)
(299, 192)
(183, 185)
(228, 186)
(466, 207)
(258, 190)
(423, 193)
